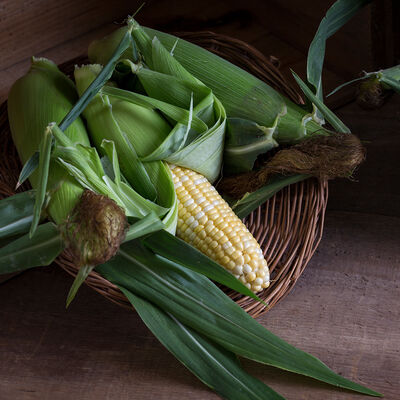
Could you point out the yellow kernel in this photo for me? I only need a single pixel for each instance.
(231, 265)
(251, 276)
(202, 235)
(219, 254)
(213, 244)
(225, 260)
(203, 220)
(236, 254)
(218, 235)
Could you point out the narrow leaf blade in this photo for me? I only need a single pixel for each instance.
(16, 213)
(337, 124)
(44, 164)
(198, 303)
(250, 201)
(96, 85)
(216, 367)
(29, 167)
(175, 249)
(26, 252)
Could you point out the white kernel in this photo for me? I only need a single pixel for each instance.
(256, 288)
(226, 245)
(200, 200)
(194, 225)
(184, 178)
(239, 270)
(246, 268)
(178, 184)
(200, 180)
(247, 244)
(188, 203)
(190, 220)
(208, 208)
(216, 202)
(199, 215)
(258, 281)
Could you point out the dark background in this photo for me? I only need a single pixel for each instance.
(345, 307)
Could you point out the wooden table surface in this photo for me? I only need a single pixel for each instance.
(344, 309)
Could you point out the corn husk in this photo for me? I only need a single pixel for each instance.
(43, 95)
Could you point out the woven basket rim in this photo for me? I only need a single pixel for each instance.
(288, 226)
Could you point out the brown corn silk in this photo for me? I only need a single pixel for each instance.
(288, 226)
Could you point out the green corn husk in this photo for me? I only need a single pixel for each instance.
(243, 95)
(133, 130)
(43, 95)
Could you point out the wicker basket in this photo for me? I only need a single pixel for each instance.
(288, 226)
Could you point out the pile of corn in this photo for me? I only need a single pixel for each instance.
(162, 155)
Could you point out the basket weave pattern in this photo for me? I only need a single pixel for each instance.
(288, 226)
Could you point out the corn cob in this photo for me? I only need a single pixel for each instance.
(207, 222)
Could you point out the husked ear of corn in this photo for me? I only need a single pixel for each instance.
(207, 222)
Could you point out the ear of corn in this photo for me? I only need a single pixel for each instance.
(204, 219)
(134, 130)
(43, 95)
(207, 222)
(242, 94)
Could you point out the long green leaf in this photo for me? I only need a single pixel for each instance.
(176, 113)
(392, 83)
(348, 83)
(149, 224)
(326, 112)
(44, 163)
(98, 83)
(28, 168)
(16, 213)
(212, 364)
(176, 250)
(198, 303)
(250, 201)
(26, 252)
(337, 15)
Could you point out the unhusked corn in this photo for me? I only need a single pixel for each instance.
(207, 222)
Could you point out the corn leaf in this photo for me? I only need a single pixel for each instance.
(198, 303)
(349, 83)
(250, 201)
(44, 163)
(25, 252)
(28, 168)
(244, 96)
(216, 367)
(97, 83)
(178, 251)
(336, 123)
(392, 83)
(16, 213)
(148, 224)
(102, 124)
(177, 114)
(80, 277)
(337, 15)
(245, 140)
